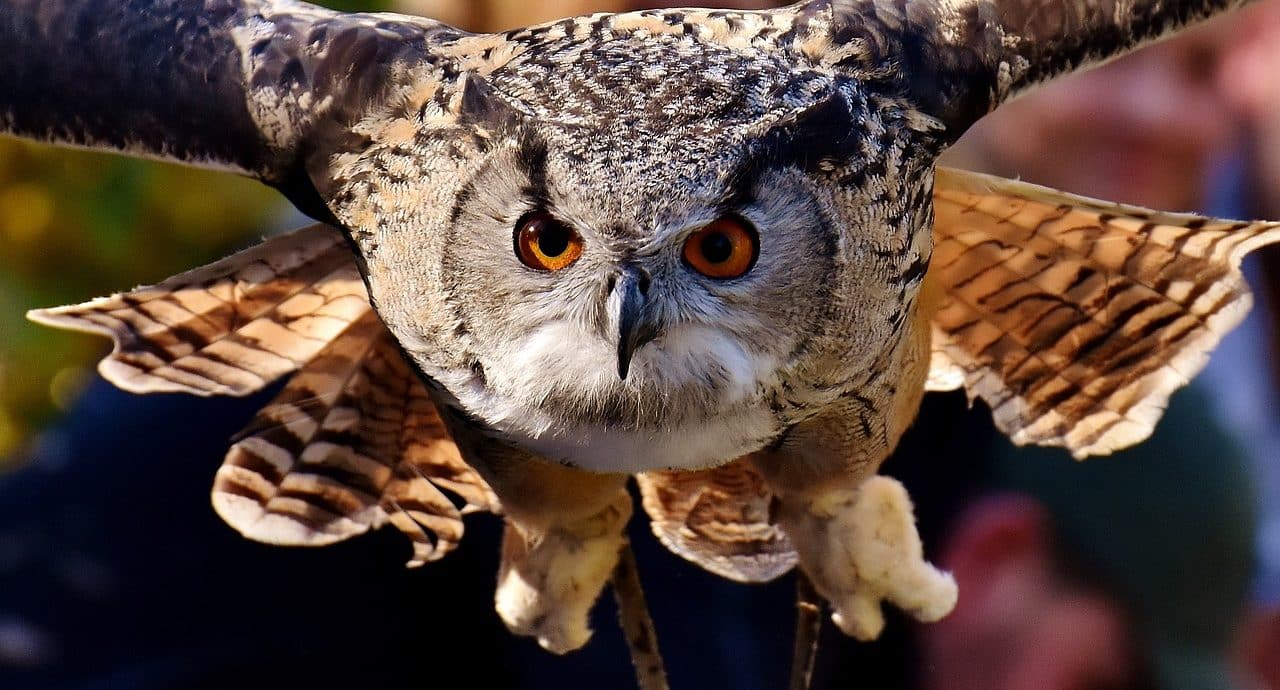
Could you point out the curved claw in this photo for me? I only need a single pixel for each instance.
(549, 581)
(860, 547)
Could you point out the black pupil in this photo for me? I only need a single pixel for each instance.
(553, 238)
(717, 247)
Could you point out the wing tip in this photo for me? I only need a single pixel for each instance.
(248, 517)
(118, 372)
(66, 318)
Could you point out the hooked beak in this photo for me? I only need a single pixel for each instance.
(627, 305)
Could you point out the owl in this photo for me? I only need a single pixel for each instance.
(707, 249)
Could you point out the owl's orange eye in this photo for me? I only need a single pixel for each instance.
(546, 244)
(727, 248)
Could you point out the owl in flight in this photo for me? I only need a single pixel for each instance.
(708, 249)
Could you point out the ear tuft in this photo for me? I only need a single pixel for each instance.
(478, 103)
(816, 136)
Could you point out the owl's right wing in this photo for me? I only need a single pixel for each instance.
(253, 86)
(229, 328)
(1075, 319)
(353, 442)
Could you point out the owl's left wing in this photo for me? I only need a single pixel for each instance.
(1075, 319)
(720, 519)
(957, 60)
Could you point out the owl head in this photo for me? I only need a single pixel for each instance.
(631, 239)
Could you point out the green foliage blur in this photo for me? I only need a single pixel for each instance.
(75, 225)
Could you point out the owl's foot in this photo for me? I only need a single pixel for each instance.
(549, 580)
(860, 547)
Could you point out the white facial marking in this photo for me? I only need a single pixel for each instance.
(705, 424)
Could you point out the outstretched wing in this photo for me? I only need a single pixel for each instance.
(240, 84)
(229, 328)
(1075, 319)
(720, 519)
(959, 59)
(352, 443)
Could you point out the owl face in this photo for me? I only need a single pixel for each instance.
(637, 270)
(628, 311)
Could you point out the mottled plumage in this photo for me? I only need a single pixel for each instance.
(754, 405)
(719, 518)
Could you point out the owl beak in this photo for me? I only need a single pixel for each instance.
(627, 304)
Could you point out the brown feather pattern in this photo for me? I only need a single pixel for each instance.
(720, 519)
(351, 443)
(1075, 319)
(229, 328)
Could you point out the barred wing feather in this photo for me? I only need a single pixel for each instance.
(719, 519)
(229, 328)
(1076, 319)
(352, 443)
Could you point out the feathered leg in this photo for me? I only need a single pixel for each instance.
(564, 532)
(855, 532)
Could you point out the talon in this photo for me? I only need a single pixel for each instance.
(548, 583)
(859, 617)
(861, 548)
(559, 626)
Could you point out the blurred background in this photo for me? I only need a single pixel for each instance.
(1158, 568)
